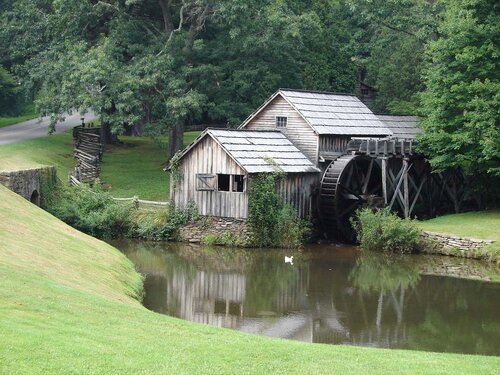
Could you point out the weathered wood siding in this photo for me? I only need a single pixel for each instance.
(333, 143)
(298, 189)
(209, 158)
(297, 130)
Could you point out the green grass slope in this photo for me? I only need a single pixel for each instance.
(483, 225)
(478, 224)
(68, 306)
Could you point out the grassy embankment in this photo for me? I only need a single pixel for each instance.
(68, 304)
(28, 114)
(133, 168)
(480, 225)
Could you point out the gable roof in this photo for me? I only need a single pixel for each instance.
(258, 151)
(403, 127)
(330, 113)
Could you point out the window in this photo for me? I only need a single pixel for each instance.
(364, 92)
(281, 121)
(231, 182)
(238, 183)
(205, 182)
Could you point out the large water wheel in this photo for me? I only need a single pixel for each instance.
(349, 182)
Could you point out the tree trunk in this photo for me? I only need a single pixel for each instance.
(175, 140)
(107, 137)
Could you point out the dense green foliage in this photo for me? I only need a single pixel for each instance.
(92, 211)
(382, 230)
(162, 224)
(9, 90)
(95, 212)
(155, 66)
(462, 100)
(273, 223)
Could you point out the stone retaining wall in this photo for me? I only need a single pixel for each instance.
(217, 231)
(448, 244)
(27, 182)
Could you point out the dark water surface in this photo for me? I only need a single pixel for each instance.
(330, 294)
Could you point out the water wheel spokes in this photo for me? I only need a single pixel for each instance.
(349, 183)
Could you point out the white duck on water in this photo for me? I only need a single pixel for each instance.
(289, 259)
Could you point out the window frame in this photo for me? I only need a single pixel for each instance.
(232, 183)
(281, 122)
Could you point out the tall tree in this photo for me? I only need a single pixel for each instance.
(462, 98)
(392, 36)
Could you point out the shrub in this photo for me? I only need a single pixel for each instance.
(163, 224)
(90, 210)
(272, 222)
(382, 230)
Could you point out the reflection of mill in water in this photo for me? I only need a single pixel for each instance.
(294, 311)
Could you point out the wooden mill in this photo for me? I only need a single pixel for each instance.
(337, 154)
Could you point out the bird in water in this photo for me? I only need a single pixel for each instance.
(289, 260)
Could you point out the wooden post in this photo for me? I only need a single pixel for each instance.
(406, 192)
(384, 179)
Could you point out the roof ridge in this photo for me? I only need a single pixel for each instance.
(247, 130)
(318, 91)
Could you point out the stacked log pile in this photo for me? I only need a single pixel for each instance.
(88, 153)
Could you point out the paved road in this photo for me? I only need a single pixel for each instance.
(39, 128)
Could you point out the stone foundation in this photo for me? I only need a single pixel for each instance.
(216, 231)
(446, 244)
(28, 182)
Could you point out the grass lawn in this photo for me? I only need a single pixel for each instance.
(134, 168)
(481, 225)
(28, 114)
(68, 304)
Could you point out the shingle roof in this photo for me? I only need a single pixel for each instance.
(330, 113)
(403, 127)
(259, 150)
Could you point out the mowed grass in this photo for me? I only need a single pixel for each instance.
(56, 149)
(28, 114)
(68, 305)
(133, 168)
(479, 224)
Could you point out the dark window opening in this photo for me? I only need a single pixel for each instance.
(238, 183)
(281, 121)
(223, 182)
(364, 92)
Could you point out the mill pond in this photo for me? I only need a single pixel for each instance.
(330, 294)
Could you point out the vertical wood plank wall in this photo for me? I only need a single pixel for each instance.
(297, 130)
(333, 143)
(297, 189)
(209, 157)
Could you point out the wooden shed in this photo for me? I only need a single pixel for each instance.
(320, 124)
(216, 171)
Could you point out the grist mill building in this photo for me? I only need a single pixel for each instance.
(337, 156)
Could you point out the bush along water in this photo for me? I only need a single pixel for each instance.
(273, 223)
(382, 230)
(93, 210)
(163, 224)
(90, 210)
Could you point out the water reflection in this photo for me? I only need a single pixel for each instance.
(332, 296)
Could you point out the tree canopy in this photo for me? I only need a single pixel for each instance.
(461, 102)
(154, 66)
